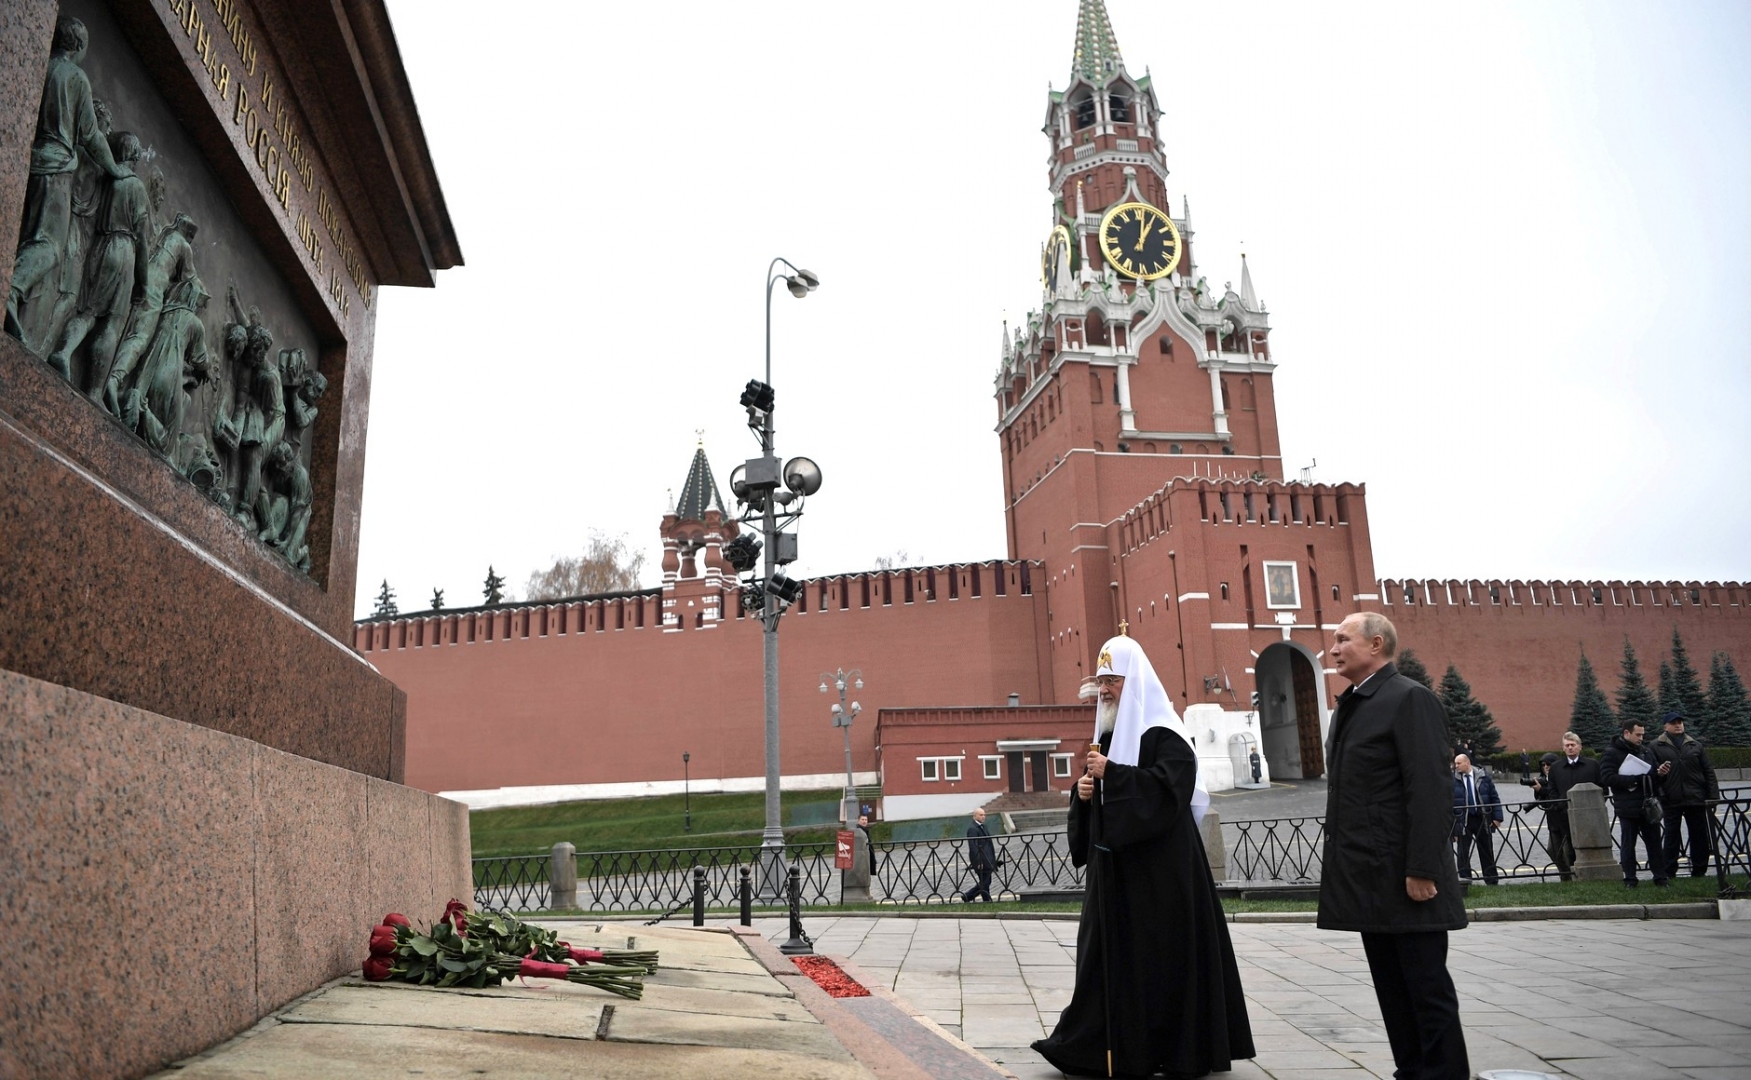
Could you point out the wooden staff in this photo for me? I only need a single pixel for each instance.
(1106, 977)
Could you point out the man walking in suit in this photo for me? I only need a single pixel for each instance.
(1388, 868)
(982, 854)
(1477, 812)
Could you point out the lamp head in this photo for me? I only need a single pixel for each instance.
(798, 287)
(810, 278)
(802, 476)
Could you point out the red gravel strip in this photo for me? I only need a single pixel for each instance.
(827, 974)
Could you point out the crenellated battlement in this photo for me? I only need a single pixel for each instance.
(1207, 501)
(1629, 595)
(647, 609)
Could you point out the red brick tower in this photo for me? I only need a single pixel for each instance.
(694, 532)
(1133, 377)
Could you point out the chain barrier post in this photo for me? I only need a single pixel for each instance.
(698, 895)
(799, 943)
(746, 890)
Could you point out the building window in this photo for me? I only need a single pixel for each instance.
(1061, 766)
(941, 768)
(1175, 448)
(993, 767)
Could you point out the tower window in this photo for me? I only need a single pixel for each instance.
(1175, 448)
(1165, 344)
(1225, 590)
(1084, 112)
(1120, 108)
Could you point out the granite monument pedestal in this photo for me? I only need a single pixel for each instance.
(200, 799)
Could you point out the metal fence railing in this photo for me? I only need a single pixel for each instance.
(1281, 850)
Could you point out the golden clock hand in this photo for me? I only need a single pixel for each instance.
(1142, 229)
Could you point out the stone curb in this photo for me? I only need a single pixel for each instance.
(1639, 912)
(870, 983)
(871, 1051)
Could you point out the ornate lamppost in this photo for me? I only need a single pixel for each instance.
(770, 497)
(687, 789)
(843, 714)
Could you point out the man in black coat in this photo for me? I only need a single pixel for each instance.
(1477, 812)
(1629, 786)
(982, 854)
(1388, 868)
(1561, 774)
(1157, 986)
(1688, 787)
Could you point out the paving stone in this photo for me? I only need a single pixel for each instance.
(568, 1017)
(630, 1023)
(302, 1051)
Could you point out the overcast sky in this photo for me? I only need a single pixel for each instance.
(1506, 249)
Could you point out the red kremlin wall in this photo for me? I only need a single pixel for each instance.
(1518, 642)
(597, 692)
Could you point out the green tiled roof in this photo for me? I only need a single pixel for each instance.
(1097, 50)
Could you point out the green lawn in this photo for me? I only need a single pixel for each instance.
(654, 822)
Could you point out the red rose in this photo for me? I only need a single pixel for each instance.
(377, 968)
(383, 941)
(456, 914)
(396, 919)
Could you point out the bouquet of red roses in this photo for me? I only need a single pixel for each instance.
(469, 949)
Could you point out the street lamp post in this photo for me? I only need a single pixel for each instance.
(843, 715)
(771, 497)
(687, 789)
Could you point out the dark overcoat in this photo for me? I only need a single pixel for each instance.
(1388, 811)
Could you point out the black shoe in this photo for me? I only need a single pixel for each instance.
(1629, 883)
(1662, 883)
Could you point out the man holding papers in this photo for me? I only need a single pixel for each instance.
(1627, 771)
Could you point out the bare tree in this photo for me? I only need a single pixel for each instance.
(605, 566)
(898, 560)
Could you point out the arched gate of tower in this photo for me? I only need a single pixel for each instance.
(1292, 714)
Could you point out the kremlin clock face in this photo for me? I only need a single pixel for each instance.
(1140, 241)
(1058, 241)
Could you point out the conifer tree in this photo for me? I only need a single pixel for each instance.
(1468, 719)
(1668, 693)
(1688, 696)
(495, 588)
(437, 599)
(385, 608)
(1634, 700)
(1729, 709)
(1590, 717)
(1411, 667)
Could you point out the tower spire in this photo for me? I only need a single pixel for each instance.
(1248, 298)
(1097, 49)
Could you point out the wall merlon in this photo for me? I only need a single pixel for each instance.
(1657, 596)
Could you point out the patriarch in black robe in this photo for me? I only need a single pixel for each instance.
(1157, 987)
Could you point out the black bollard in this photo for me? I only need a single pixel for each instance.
(699, 896)
(799, 943)
(747, 893)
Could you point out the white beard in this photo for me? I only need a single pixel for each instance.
(1106, 714)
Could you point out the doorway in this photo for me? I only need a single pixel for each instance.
(1292, 717)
